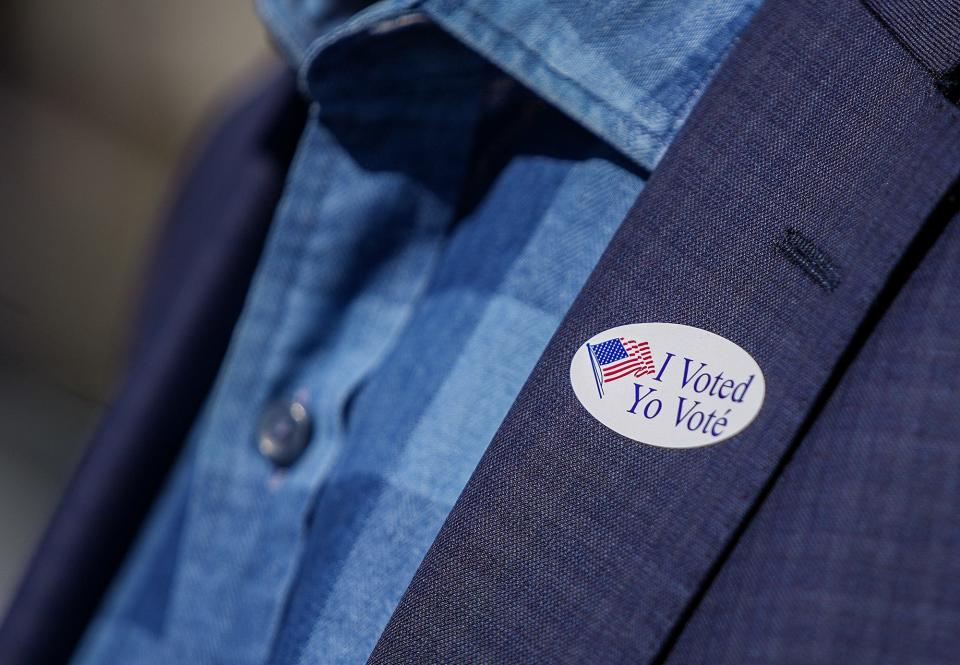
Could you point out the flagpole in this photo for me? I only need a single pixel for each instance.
(593, 366)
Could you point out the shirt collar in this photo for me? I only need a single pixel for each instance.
(628, 70)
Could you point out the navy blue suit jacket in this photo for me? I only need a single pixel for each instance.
(210, 240)
(808, 212)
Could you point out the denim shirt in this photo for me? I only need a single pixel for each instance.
(464, 166)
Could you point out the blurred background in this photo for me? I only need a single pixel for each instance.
(100, 101)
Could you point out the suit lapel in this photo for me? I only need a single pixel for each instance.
(774, 220)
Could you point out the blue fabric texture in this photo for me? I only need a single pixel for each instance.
(853, 557)
(463, 168)
(573, 544)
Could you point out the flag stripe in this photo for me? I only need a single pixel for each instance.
(624, 373)
(646, 369)
(615, 367)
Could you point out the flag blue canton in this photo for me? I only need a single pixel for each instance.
(609, 351)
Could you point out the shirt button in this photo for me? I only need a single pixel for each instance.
(284, 432)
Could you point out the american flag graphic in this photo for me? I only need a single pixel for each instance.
(619, 357)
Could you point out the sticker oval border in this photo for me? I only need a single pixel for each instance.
(667, 363)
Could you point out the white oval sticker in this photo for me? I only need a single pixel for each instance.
(667, 384)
